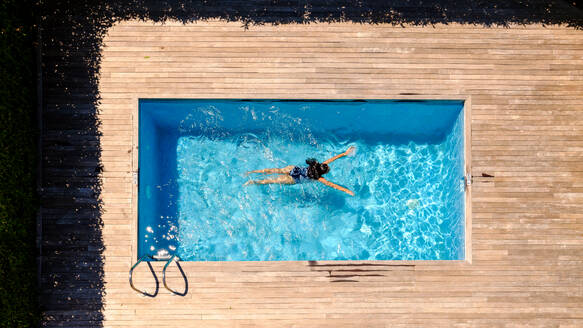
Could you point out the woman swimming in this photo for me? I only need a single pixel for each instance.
(294, 174)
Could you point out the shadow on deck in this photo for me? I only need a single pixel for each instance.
(71, 249)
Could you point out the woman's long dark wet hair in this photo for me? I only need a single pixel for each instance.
(316, 169)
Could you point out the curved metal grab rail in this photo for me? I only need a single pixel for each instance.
(153, 274)
(181, 272)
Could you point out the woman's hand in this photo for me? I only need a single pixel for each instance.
(350, 150)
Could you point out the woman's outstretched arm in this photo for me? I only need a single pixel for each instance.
(335, 186)
(349, 151)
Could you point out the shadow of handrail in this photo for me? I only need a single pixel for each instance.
(176, 259)
(340, 272)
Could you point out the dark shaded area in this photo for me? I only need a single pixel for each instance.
(72, 31)
(18, 197)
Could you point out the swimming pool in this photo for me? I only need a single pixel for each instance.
(407, 176)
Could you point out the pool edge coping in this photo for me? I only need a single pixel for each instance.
(467, 173)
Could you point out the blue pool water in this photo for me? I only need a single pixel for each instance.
(407, 176)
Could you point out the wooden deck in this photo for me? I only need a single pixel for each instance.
(526, 90)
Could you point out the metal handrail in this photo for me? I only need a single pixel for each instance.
(181, 272)
(153, 274)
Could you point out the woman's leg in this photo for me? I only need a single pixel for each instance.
(283, 170)
(280, 179)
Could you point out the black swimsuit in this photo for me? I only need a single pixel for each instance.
(300, 174)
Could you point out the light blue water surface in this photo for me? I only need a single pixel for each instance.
(407, 176)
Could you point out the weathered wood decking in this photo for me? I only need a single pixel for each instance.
(526, 90)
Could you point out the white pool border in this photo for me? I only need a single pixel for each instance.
(467, 173)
